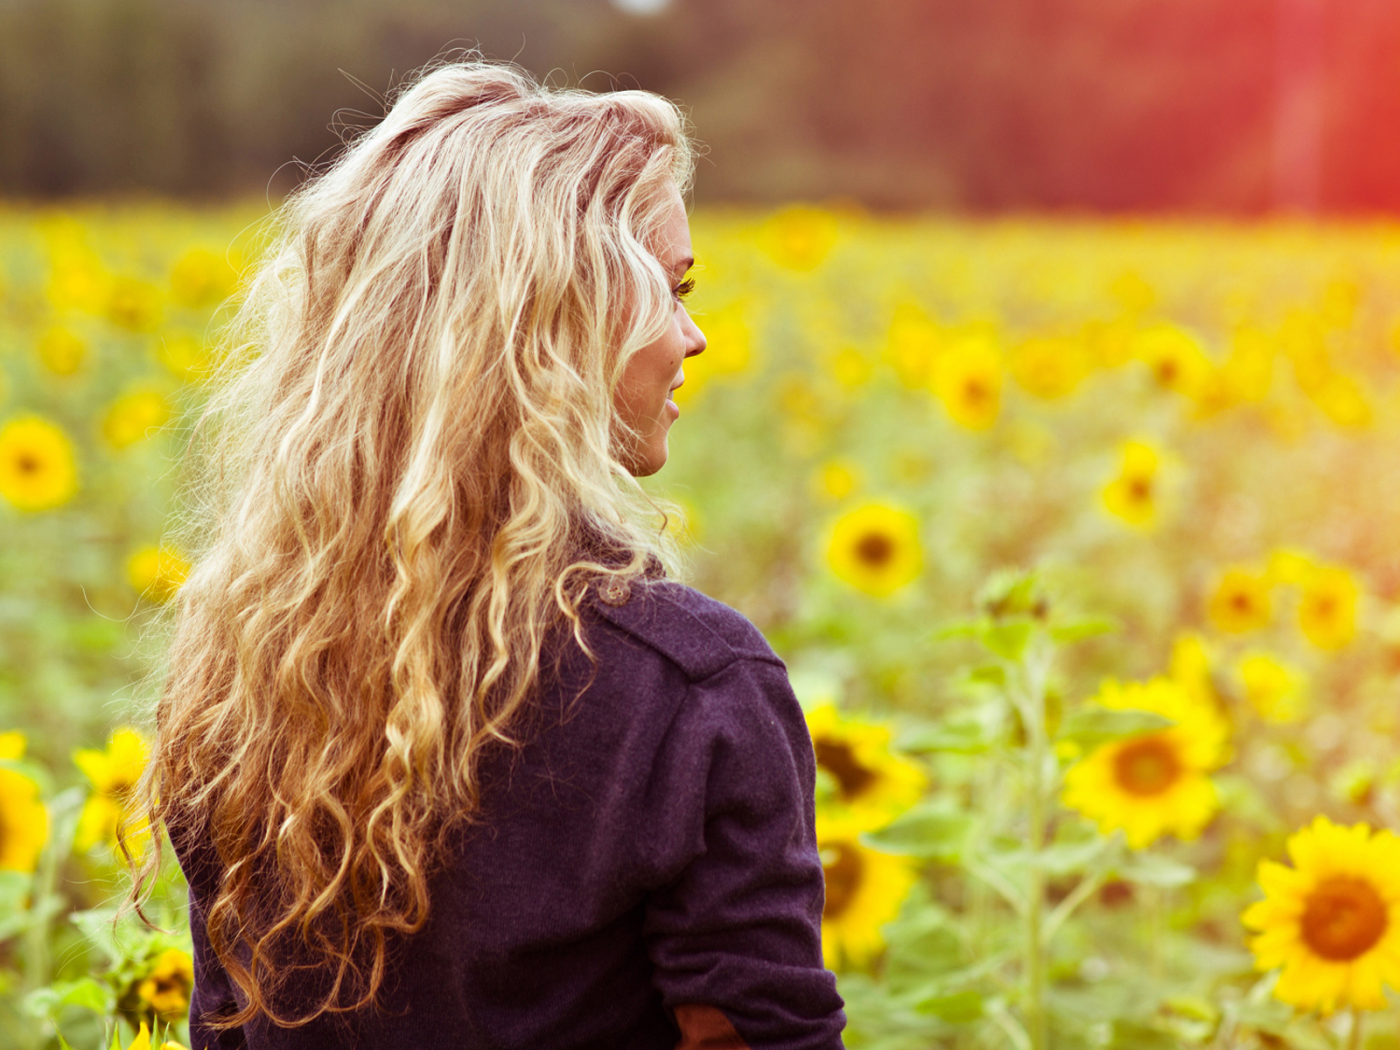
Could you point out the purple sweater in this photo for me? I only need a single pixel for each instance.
(645, 871)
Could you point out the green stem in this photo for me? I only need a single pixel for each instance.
(1039, 749)
(1354, 1032)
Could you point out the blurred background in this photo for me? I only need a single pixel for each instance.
(997, 104)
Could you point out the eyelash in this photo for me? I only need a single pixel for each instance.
(684, 289)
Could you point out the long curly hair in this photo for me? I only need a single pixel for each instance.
(408, 463)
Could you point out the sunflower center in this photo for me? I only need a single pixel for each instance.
(1324, 606)
(836, 758)
(1343, 918)
(1167, 372)
(1140, 488)
(1241, 602)
(1147, 766)
(875, 549)
(975, 391)
(842, 871)
(26, 463)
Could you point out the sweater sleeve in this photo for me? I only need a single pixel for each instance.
(213, 991)
(735, 939)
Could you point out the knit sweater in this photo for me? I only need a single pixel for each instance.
(643, 873)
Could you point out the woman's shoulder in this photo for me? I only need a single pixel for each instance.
(698, 634)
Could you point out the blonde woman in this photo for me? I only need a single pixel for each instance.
(446, 758)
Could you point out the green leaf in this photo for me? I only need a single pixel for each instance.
(1145, 869)
(90, 994)
(963, 738)
(988, 674)
(1094, 725)
(958, 629)
(1061, 858)
(1129, 1036)
(1077, 630)
(62, 1043)
(958, 1008)
(930, 829)
(1008, 640)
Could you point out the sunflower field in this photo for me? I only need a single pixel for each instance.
(1079, 538)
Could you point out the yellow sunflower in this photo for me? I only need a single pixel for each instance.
(1156, 783)
(876, 549)
(1290, 567)
(24, 822)
(1175, 357)
(1327, 608)
(873, 786)
(135, 416)
(864, 890)
(184, 354)
(1241, 601)
(113, 773)
(967, 379)
(1332, 921)
(62, 351)
(914, 345)
(728, 351)
(201, 278)
(37, 466)
(799, 237)
(157, 572)
(1132, 495)
(1273, 688)
(166, 988)
(837, 479)
(133, 304)
(1343, 400)
(1050, 367)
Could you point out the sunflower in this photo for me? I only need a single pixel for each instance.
(1151, 784)
(967, 379)
(799, 237)
(24, 822)
(201, 278)
(1290, 567)
(1327, 609)
(875, 549)
(61, 351)
(113, 773)
(37, 467)
(728, 351)
(1175, 358)
(135, 416)
(184, 354)
(864, 890)
(157, 572)
(914, 344)
(1332, 921)
(1274, 689)
(165, 990)
(872, 786)
(1132, 495)
(133, 304)
(1342, 400)
(1049, 367)
(1190, 668)
(1249, 370)
(837, 479)
(1241, 601)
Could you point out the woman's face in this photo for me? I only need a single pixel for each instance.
(644, 395)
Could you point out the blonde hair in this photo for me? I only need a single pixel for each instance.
(414, 468)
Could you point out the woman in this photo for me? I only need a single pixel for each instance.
(446, 760)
